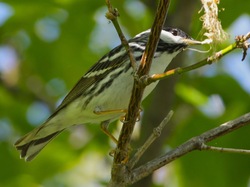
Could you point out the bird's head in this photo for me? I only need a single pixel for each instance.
(175, 40)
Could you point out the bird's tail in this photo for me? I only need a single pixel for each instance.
(33, 142)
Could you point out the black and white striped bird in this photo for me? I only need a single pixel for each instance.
(102, 95)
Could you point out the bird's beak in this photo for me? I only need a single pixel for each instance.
(192, 42)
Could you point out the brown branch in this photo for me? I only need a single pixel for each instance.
(120, 171)
(123, 173)
(112, 15)
(135, 102)
(192, 144)
(155, 134)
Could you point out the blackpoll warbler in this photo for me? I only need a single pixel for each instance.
(103, 93)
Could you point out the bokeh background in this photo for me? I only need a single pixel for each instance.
(46, 46)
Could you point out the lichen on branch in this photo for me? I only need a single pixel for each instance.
(211, 22)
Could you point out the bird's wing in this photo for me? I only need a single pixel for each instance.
(96, 73)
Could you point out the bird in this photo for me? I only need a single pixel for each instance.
(103, 93)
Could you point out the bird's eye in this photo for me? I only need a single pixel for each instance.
(175, 32)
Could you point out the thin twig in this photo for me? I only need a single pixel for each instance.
(112, 15)
(239, 43)
(155, 134)
(242, 43)
(224, 150)
(192, 144)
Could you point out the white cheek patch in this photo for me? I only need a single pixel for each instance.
(169, 37)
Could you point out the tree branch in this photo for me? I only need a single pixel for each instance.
(135, 101)
(119, 170)
(112, 15)
(240, 42)
(192, 144)
(123, 173)
(224, 150)
(156, 133)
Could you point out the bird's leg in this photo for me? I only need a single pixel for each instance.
(117, 111)
(98, 111)
(105, 124)
(139, 114)
(104, 127)
(138, 118)
(103, 112)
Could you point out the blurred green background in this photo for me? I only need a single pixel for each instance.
(46, 46)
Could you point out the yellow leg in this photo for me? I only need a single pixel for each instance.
(110, 111)
(117, 111)
(105, 124)
(104, 127)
